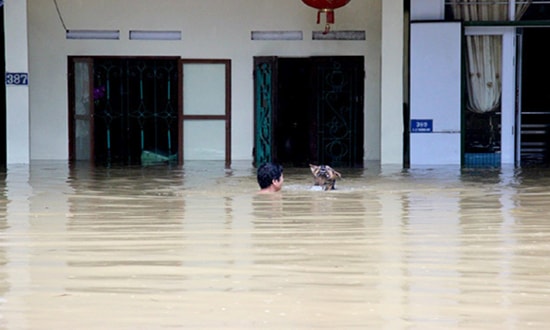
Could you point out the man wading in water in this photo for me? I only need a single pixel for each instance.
(270, 178)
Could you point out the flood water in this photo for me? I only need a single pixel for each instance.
(195, 247)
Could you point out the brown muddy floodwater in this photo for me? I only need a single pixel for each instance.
(196, 248)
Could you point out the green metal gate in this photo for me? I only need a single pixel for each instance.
(135, 110)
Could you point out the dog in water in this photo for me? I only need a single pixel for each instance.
(324, 176)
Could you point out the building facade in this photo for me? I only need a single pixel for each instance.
(38, 42)
(227, 80)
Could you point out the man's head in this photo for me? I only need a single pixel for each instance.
(268, 174)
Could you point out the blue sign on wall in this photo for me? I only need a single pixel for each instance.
(17, 78)
(422, 125)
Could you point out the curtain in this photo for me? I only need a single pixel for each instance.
(484, 63)
(484, 52)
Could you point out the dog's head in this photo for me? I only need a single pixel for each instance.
(324, 175)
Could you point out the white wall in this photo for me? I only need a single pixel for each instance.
(211, 29)
(427, 9)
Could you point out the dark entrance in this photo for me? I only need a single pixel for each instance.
(309, 110)
(535, 97)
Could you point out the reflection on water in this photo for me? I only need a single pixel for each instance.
(196, 247)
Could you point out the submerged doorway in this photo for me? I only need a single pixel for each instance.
(534, 97)
(149, 110)
(124, 111)
(309, 110)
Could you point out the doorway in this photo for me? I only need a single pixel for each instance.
(149, 110)
(124, 111)
(309, 110)
(534, 97)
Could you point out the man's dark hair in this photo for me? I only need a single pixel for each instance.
(268, 172)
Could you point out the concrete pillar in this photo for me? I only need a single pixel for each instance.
(392, 82)
(17, 96)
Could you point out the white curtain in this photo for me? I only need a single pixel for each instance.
(484, 52)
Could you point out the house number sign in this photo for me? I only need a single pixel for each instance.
(17, 78)
(422, 125)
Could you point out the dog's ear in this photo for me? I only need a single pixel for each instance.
(336, 173)
(313, 168)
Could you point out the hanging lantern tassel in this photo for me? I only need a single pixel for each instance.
(329, 13)
(327, 7)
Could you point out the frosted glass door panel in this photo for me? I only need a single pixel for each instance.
(204, 89)
(206, 114)
(204, 140)
(82, 110)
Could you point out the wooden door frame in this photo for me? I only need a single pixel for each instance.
(226, 116)
(181, 117)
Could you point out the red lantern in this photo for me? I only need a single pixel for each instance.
(327, 7)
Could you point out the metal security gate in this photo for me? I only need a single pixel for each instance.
(338, 105)
(265, 71)
(125, 110)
